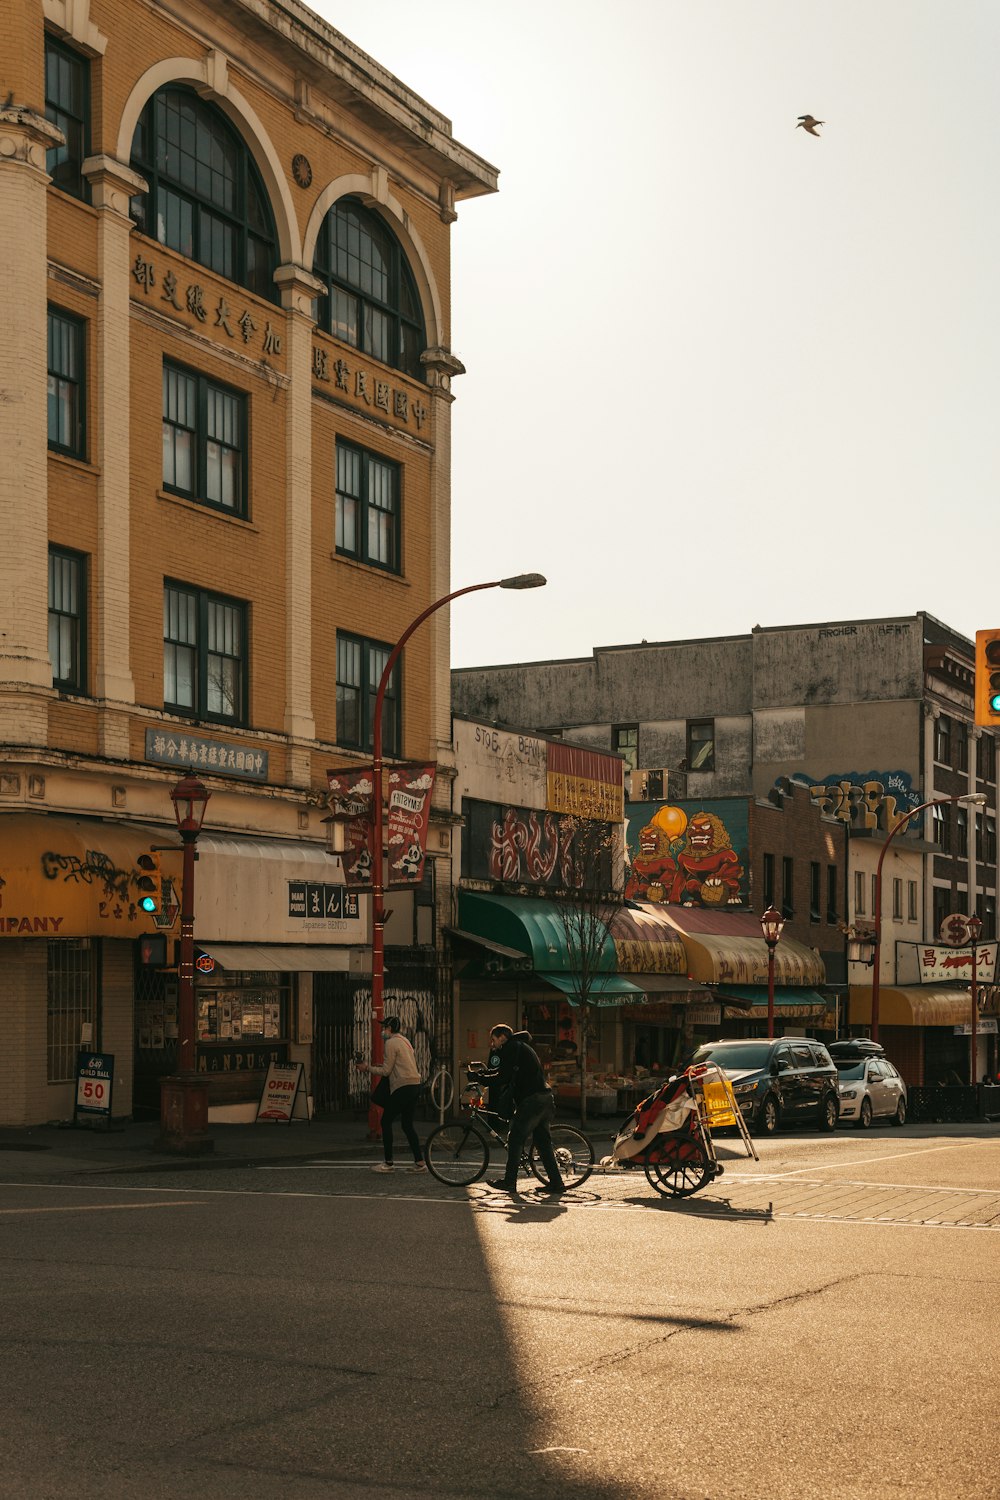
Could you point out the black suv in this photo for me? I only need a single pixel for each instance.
(788, 1080)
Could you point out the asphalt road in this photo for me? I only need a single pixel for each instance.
(820, 1323)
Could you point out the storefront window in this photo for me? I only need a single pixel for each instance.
(242, 1020)
(72, 993)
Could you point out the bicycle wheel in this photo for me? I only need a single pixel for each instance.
(456, 1154)
(574, 1154)
(683, 1172)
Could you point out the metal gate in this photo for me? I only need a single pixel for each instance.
(417, 990)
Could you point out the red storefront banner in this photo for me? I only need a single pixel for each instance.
(351, 797)
(410, 789)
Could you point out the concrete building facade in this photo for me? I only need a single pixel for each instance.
(225, 492)
(871, 717)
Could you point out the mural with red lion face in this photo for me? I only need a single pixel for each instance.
(688, 858)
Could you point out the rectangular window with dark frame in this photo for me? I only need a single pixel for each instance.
(204, 441)
(701, 744)
(68, 620)
(360, 664)
(814, 889)
(990, 850)
(67, 383)
(942, 907)
(768, 873)
(832, 894)
(204, 654)
(897, 900)
(962, 830)
(942, 740)
(986, 757)
(625, 740)
(67, 105)
(961, 745)
(859, 893)
(367, 520)
(911, 900)
(787, 887)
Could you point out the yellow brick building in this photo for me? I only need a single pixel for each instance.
(225, 493)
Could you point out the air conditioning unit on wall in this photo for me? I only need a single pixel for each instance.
(648, 786)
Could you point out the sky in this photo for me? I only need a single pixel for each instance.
(720, 372)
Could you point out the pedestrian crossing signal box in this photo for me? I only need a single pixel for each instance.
(988, 678)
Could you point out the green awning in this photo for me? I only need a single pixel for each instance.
(604, 989)
(530, 924)
(789, 999)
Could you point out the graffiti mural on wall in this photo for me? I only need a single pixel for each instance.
(688, 854)
(524, 846)
(872, 799)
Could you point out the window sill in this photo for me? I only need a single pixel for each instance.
(199, 509)
(370, 569)
(82, 464)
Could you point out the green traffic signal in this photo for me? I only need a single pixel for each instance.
(149, 883)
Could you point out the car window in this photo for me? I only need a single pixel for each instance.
(875, 1069)
(784, 1059)
(749, 1054)
(849, 1070)
(889, 1070)
(822, 1057)
(803, 1057)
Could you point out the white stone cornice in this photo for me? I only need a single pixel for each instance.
(25, 136)
(112, 183)
(299, 289)
(72, 19)
(441, 366)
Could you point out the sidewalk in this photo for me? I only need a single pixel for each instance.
(43, 1152)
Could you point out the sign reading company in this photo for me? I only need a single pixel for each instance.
(938, 964)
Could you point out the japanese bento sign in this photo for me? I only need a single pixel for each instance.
(407, 822)
(94, 1078)
(937, 964)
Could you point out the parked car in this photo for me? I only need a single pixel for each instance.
(870, 1086)
(788, 1081)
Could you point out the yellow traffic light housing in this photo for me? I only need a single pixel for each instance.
(988, 678)
(149, 882)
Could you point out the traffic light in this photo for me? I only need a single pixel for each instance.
(149, 882)
(988, 678)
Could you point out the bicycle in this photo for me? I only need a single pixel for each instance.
(458, 1154)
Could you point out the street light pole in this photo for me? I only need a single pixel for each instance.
(520, 581)
(771, 924)
(966, 798)
(184, 1098)
(975, 928)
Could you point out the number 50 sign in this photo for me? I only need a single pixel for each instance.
(94, 1075)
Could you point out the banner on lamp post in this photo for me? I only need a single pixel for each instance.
(410, 791)
(351, 794)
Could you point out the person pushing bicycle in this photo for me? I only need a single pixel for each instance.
(520, 1082)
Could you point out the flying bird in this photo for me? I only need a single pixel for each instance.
(808, 123)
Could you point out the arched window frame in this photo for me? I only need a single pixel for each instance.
(254, 238)
(406, 337)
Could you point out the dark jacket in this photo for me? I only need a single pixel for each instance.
(518, 1072)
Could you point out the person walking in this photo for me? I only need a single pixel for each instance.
(519, 1077)
(400, 1067)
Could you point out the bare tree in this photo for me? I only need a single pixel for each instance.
(587, 899)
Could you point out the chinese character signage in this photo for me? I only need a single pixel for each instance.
(188, 750)
(939, 964)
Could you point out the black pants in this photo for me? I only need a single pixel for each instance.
(402, 1103)
(532, 1118)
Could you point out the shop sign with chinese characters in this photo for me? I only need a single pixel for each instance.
(189, 751)
(937, 964)
(240, 325)
(368, 389)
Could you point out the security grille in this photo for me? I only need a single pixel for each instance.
(72, 1002)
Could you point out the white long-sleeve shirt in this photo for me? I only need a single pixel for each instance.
(400, 1066)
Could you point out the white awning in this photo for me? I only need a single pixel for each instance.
(288, 958)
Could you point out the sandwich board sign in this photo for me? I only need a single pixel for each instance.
(283, 1096)
(95, 1073)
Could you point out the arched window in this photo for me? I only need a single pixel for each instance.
(205, 198)
(372, 299)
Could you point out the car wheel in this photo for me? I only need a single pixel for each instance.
(767, 1118)
(865, 1117)
(899, 1118)
(829, 1112)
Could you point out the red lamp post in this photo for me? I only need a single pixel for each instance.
(967, 798)
(771, 924)
(184, 1098)
(520, 581)
(975, 928)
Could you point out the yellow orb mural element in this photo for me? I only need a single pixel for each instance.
(670, 820)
